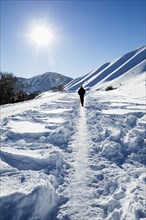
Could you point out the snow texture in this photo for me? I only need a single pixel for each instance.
(62, 161)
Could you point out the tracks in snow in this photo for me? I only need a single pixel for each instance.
(98, 186)
(90, 152)
(78, 192)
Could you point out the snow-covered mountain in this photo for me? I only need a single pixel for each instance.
(42, 83)
(122, 70)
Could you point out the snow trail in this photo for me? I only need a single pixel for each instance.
(66, 162)
(100, 176)
(78, 192)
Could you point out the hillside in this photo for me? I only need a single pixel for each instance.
(42, 83)
(116, 73)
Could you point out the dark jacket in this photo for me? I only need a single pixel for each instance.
(81, 91)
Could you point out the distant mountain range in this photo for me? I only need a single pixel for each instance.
(116, 73)
(41, 83)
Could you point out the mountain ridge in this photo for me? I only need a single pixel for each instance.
(109, 72)
(42, 82)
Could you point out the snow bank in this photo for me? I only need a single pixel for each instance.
(33, 165)
(118, 155)
(32, 196)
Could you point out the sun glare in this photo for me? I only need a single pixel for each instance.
(41, 35)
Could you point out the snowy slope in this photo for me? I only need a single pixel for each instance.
(41, 83)
(108, 74)
(63, 161)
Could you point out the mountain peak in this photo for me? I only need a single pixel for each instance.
(42, 82)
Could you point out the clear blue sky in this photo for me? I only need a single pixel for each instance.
(88, 34)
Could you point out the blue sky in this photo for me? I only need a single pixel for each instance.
(87, 34)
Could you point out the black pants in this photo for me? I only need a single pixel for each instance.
(82, 99)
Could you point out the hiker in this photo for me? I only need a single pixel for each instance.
(81, 93)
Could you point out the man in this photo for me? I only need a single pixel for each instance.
(81, 93)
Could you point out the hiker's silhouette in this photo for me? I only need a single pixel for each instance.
(81, 93)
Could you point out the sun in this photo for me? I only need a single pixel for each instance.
(41, 35)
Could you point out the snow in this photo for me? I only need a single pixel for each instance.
(62, 161)
(115, 73)
(8, 109)
(22, 127)
(42, 82)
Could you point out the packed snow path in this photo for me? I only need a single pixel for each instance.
(61, 161)
(78, 192)
(100, 185)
